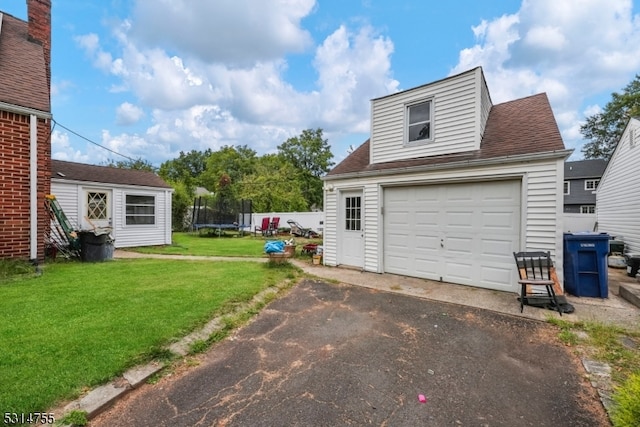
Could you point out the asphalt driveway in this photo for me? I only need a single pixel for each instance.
(334, 355)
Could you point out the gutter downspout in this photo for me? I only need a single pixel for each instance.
(33, 187)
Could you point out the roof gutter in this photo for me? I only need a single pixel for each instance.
(25, 111)
(556, 154)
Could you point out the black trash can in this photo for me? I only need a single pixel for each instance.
(94, 245)
(633, 264)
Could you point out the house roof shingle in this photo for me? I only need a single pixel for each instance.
(23, 77)
(592, 168)
(515, 128)
(105, 174)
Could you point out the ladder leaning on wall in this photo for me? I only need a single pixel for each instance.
(62, 237)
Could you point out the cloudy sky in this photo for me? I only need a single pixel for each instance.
(151, 78)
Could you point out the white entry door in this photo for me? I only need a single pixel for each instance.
(96, 209)
(351, 226)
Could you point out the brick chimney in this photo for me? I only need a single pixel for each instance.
(39, 12)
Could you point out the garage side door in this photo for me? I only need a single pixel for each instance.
(458, 233)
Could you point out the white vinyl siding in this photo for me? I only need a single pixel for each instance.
(541, 209)
(455, 112)
(617, 197)
(485, 104)
(330, 237)
(69, 194)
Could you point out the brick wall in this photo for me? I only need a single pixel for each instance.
(39, 12)
(15, 184)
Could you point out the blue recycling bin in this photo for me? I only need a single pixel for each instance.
(585, 264)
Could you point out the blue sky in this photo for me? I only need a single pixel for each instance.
(151, 78)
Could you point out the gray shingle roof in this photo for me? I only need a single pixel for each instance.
(23, 77)
(105, 174)
(520, 127)
(592, 168)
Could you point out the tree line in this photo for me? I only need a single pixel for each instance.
(288, 180)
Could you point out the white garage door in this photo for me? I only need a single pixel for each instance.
(457, 233)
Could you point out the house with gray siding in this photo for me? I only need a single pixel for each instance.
(448, 186)
(618, 195)
(581, 180)
(135, 204)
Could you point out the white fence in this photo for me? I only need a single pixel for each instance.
(575, 223)
(312, 220)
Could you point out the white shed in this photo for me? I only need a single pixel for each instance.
(135, 204)
(618, 194)
(449, 186)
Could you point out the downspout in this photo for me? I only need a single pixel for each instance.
(33, 187)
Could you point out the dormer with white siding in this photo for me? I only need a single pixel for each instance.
(444, 117)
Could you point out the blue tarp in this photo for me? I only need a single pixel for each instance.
(273, 246)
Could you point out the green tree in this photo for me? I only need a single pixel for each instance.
(137, 164)
(604, 129)
(311, 156)
(273, 186)
(235, 162)
(181, 201)
(187, 168)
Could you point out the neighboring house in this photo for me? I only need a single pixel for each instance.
(135, 204)
(449, 186)
(618, 195)
(581, 179)
(25, 126)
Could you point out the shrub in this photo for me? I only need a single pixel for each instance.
(626, 409)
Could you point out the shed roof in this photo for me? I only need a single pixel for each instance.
(592, 168)
(23, 76)
(515, 128)
(105, 174)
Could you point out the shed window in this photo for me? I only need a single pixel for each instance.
(140, 210)
(567, 187)
(352, 211)
(591, 184)
(419, 122)
(96, 205)
(588, 209)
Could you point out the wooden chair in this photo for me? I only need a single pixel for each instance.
(535, 269)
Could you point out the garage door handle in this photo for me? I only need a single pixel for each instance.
(441, 243)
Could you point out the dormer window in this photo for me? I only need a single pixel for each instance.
(419, 122)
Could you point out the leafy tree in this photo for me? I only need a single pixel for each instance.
(181, 201)
(235, 162)
(188, 167)
(273, 186)
(604, 129)
(137, 164)
(311, 156)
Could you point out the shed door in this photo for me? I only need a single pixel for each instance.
(96, 208)
(457, 233)
(351, 228)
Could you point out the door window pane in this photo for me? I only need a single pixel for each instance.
(352, 211)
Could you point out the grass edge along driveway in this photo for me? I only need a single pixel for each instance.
(80, 325)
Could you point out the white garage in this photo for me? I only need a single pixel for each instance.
(459, 233)
(448, 186)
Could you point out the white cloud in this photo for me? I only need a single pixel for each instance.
(573, 50)
(225, 31)
(61, 149)
(199, 102)
(128, 114)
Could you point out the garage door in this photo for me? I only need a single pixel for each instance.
(457, 233)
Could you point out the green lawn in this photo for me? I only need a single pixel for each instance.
(207, 245)
(81, 324)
